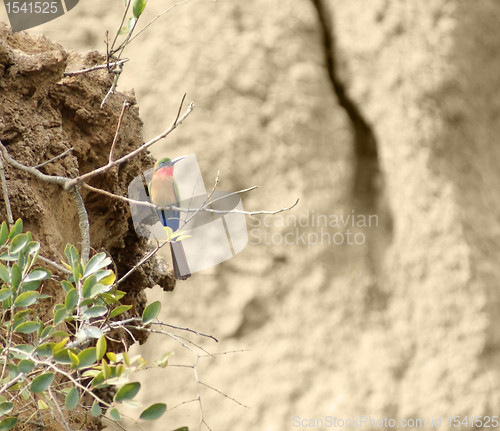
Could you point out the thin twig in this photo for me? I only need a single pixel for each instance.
(206, 200)
(141, 262)
(126, 104)
(59, 410)
(124, 16)
(158, 16)
(222, 393)
(117, 72)
(194, 210)
(100, 66)
(131, 155)
(83, 223)
(10, 219)
(120, 198)
(33, 171)
(186, 329)
(55, 265)
(53, 159)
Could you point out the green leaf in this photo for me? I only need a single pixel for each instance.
(99, 288)
(101, 347)
(66, 285)
(97, 262)
(16, 229)
(33, 247)
(27, 327)
(26, 366)
(5, 293)
(4, 233)
(45, 350)
(96, 410)
(8, 424)
(16, 276)
(74, 359)
(60, 315)
(109, 298)
(77, 270)
(138, 8)
(60, 334)
(62, 357)
(123, 30)
(119, 310)
(88, 284)
(18, 243)
(71, 254)
(26, 299)
(13, 371)
(22, 313)
(106, 369)
(71, 299)
(6, 407)
(153, 412)
(182, 429)
(72, 399)
(32, 285)
(87, 357)
(115, 414)
(41, 383)
(38, 274)
(4, 273)
(127, 392)
(103, 274)
(60, 345)
(163, 362)
(47, 331)
(42, 405)
(151, 312)
(95, 311)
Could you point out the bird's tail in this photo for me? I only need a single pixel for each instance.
(179, 260)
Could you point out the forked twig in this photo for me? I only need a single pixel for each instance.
(100, 66)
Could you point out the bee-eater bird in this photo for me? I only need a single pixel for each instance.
(164, 192)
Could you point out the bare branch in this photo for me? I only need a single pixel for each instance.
(222, 393)
(83, 224)
(117, 72)
(55, 265)
(120, 198)
(186, 329)
(141, 262)
(91, 69)
(33, 171)
(126, 104)
(53, 159)
(134, 153)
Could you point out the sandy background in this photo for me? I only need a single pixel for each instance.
(386, 108)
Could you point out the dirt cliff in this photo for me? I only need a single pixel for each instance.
(385, 109)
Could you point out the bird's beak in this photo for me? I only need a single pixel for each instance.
(178, 159)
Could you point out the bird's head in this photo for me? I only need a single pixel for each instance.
(167, 163)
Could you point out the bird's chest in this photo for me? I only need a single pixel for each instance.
(163, 191)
